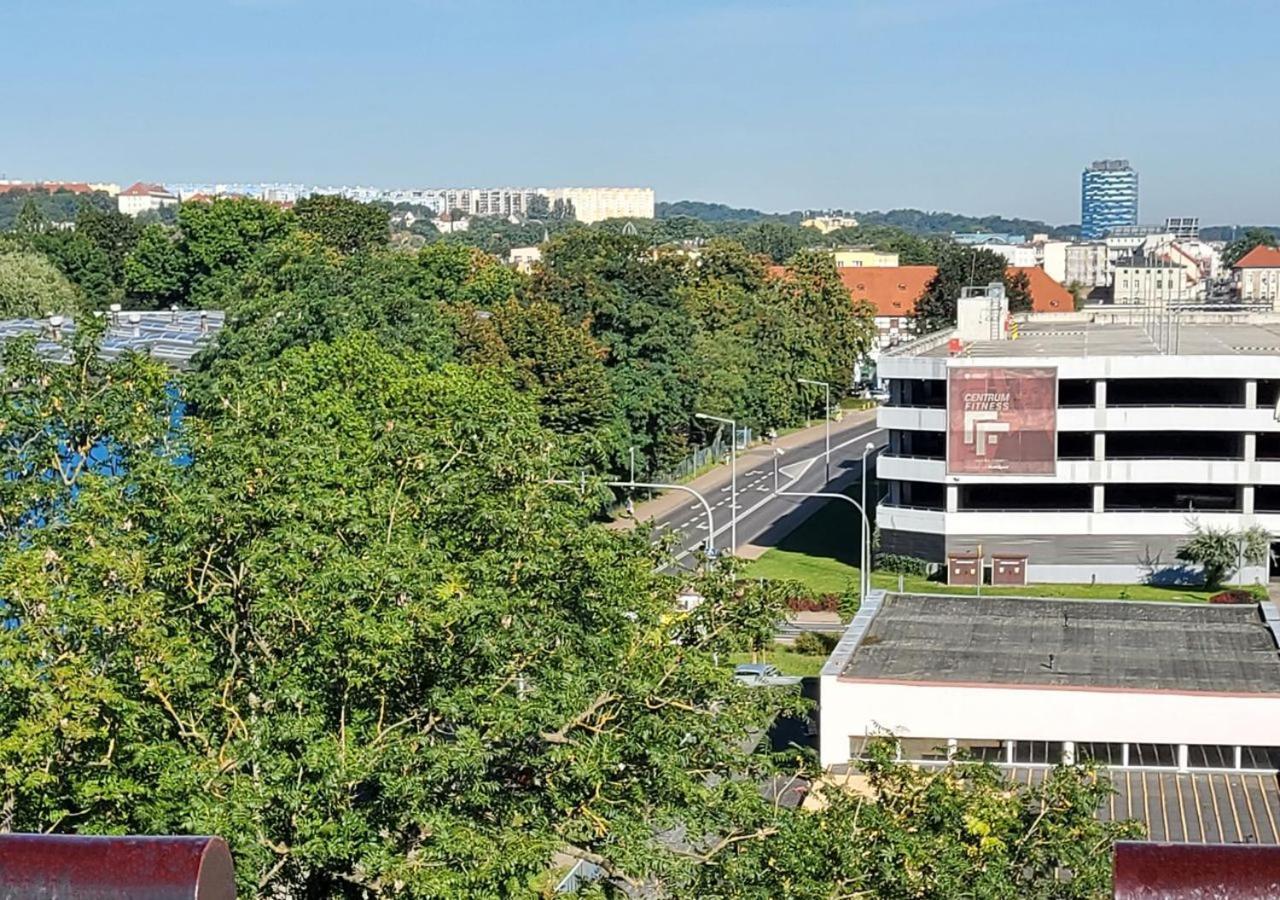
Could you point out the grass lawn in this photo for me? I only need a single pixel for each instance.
(787, 661)
(823, 555)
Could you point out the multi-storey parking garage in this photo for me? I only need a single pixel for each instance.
(1091, 449)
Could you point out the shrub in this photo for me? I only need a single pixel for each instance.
(1235, 595)
(907, 565)
(823, 603)
(815, 643)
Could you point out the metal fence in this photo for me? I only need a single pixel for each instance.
(703, 457)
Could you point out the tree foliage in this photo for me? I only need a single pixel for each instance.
(954, 831)
(345, 225)
(958, 267)
(156, 271)
(1219, 551)
(31, 286)
(1252, 237)
(356, 634)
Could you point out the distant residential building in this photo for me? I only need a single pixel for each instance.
(1257, 276)
(140, 197)
(74, 187)
(893, 293)
(1014, 254)
(1183, 227)
(1151, 281)
(1051, 256)
(828, 224)
(1087, 264)
(1108, 197)
(861, 257)
(523, 258)
(449, 222)
(597, 204)
(983, 237)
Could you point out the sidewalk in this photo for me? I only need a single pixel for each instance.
(753, 456)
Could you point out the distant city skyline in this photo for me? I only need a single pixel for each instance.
(989, 107)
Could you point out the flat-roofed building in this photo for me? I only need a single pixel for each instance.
(1093, 445)
(1179, 691)
(863, 257)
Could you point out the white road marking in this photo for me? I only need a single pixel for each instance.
(769, 499)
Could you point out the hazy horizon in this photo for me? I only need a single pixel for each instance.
(992, 107)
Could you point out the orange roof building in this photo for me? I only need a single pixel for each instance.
(1257, 276)
(1260, 257)
(1047, 295)
(891, 290)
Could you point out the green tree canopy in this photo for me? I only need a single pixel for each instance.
(157, 272)
(630, 299)
(958, 267)
(225, 233)
(31, 286)
(345, 225)
(359, 636)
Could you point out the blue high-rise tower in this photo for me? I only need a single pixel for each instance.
(1108, 197)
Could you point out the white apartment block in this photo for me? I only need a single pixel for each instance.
(1136, 431)
(1022, 255)
(597, 204)
(1153, 282)
(1088, 264)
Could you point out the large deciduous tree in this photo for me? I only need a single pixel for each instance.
(157, 272)
(31, 286)
(630, 299)
(342, 621)
(345, 225)
(958, 267)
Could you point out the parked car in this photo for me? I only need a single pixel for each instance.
(753, 673)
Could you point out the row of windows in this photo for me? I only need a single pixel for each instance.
(1052, 753)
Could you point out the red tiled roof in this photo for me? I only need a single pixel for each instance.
(75, 187)
(142, 189)
(892, 290)
(1047, 295)
(1260, 257)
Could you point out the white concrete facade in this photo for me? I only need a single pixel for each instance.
(1046, 535)
(994, 712)
(853, 709)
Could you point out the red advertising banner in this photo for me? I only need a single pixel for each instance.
(1002, 421)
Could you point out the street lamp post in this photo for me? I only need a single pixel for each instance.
(866, 559)
(711, 525)
(826, 387)
(733, 470)
(864, 580)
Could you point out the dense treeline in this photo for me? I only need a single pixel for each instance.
(53, 206)
(621, 342)
(912, 221)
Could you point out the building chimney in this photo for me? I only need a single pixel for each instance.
(55, 328)
(135, 319)
(115, 313)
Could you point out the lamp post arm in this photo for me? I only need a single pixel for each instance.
(711, 525)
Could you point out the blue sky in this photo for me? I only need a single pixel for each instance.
(984, 106)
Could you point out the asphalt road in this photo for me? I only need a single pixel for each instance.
(763, 518)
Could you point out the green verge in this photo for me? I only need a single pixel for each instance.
(787, 661)
(822, 554)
